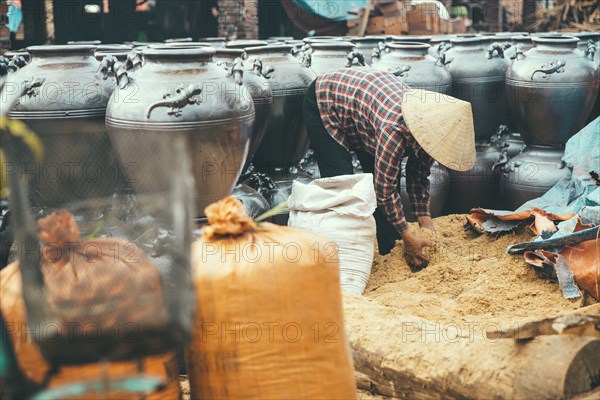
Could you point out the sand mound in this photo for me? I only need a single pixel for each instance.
(470, 282)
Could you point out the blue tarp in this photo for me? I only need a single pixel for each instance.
(15, 16)
(577, 189)
(333, 10)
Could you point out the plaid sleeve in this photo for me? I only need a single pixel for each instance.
(388, 159)
(418, 169)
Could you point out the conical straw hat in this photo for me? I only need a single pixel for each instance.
(443, 127)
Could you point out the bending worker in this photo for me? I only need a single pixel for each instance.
(384, 121)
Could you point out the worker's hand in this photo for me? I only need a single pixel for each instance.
(426, 222)
(413, 251)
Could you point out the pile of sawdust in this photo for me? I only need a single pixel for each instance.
(471, 282)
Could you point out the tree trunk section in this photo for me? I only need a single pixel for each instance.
(408, 357)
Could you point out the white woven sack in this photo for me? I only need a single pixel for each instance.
(341, 209)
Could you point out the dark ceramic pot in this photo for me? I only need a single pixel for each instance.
(478, 69)
(285, 140)
(67, 113)
(366, 45)
(261, 93)
(551, 90)
(328, 56)
(589, 42)
(439, 186)
(412, 63)
(182, 92)
(478, 187)
(531, 174)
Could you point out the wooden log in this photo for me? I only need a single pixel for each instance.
(408, 357)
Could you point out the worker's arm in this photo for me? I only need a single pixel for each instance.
(418, 169)
(388, 158)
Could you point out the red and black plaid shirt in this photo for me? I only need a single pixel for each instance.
(362, 109)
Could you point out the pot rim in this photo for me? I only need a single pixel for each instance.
(324, 37)
(99, 53)
(472, 40)
(510, 34)
(409, 38)
(244, 43)
(113, 47)
(84, 42)
(280, 38)
(229, 52)
(409, 46)
(61, 48)
(212, 39)
(558, 39)
(179, 40)
(12, 53)
(135, 43)
(519, 38)
(442, 38)
(277, 48)
(366, 39)
(332, 45)
(183, 45)
(178, 53)
(587, 35)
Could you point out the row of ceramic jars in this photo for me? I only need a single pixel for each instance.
(552, 89)
(176, 93)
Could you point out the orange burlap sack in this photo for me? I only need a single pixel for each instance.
(34, 367)
(270, 322)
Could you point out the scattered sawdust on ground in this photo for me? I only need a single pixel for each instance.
(470, 280)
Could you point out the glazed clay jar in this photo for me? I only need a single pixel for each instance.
(412, 63)
(66, 111)
(478, 70)
(285, 141)
(367, 44)
(480, 186)
(259, 88)
(439, 185)
(551, 90)
(328, 56)
(183, 93)
(531, 174)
